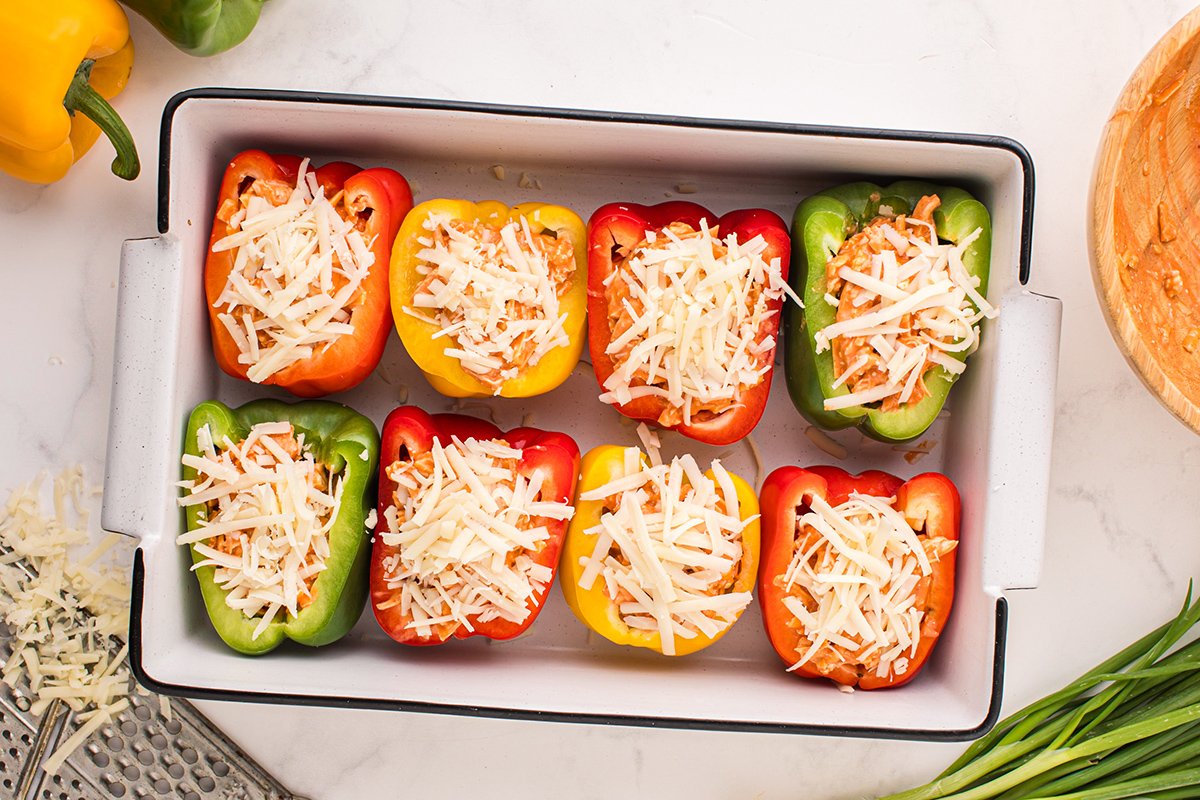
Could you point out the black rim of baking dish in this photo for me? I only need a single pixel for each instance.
(685, 723)
(921, 734)
(331, 98)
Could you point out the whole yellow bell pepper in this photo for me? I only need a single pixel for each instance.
(593, 607)
(71, 56)
(444, 372)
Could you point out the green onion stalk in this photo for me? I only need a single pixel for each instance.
(1128, 728)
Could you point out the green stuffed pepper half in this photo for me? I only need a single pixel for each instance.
(279, 506)
(894, 281)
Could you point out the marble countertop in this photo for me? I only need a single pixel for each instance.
(1121, 540)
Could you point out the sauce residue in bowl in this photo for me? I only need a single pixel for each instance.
(1156, 226)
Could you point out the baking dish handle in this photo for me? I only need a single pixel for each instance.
(144, 363)
(1018, 461)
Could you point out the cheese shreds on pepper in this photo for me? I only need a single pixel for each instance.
(906, 304)
(495, 291)
(298, 271)
(268, 510)
(691, 320)
(65, 614)
(857, 585)
(467, 525)
(669, 548)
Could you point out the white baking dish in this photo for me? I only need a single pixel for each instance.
(994, 442)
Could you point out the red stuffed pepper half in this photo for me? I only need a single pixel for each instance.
(297, 271)
(857, 574)
(683, 311)
(471, 522)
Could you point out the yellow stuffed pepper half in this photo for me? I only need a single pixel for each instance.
(490, 300)
(659, 555)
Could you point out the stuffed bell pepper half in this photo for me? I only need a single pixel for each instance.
(857, 575)
(894, 282)
(279, 499)
(470, 525)
(683, 312)
(490, 300)
(659, 555)
(297, 271)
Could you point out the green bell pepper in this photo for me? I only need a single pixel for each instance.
(338, 437)
(200, 27)
(820, 225)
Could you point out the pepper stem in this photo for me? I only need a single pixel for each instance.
(82, 97)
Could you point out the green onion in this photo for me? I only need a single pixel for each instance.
(1129, 728)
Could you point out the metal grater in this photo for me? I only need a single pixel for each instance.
(140, 755)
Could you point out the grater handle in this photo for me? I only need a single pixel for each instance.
(141, 419)
(50, 728)
(1018, 458)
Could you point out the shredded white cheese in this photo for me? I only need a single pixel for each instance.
(269, 535)
(68, 614)
(297, 273)
(760, 469)
(467, 526)
(826, 443)
(693, 319)
(915, 308)
(853, 581)
(669, 548)
(495, 293)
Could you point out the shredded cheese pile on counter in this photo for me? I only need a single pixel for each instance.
(65, 615)
(467, 525)
(855, 584)
(690, 320)
(298, 270)
(670, 548)
(913, 306)
(495, 291)
(268, 517)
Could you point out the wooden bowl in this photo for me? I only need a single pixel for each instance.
(1145, 220)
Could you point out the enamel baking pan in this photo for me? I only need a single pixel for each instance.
(993, 439)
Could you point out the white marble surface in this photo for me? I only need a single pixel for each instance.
(1122, 528)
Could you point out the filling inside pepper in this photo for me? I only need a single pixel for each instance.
(858, 585)
(468, 526)
(668, 546)
(495, 291)
(905, 303)
(268, 509)
(690, 321)
(298, 272)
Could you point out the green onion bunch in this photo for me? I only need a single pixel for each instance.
(1128, 728)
